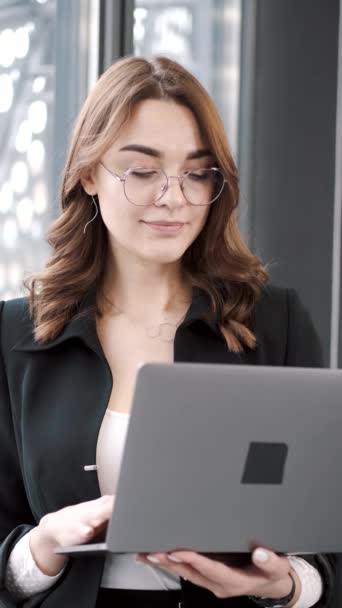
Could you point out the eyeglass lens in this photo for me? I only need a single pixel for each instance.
(200, 187)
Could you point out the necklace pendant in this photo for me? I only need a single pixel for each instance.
(153, 331)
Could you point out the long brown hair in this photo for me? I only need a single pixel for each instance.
(218, 261)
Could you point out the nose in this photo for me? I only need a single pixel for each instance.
(172, 196)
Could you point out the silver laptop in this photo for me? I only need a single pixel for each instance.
(220, 458)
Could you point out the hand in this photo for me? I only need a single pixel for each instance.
(72, 525)
(267, 575)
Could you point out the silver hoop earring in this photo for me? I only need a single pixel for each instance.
(92, 219)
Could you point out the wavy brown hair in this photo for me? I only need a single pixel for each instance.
(218, 261)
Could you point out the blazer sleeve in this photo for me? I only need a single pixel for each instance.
(16, 518)
(303, 349)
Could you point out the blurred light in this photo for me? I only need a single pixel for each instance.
(6, 88)
(40, 198)
(36, 156)
(8, 295)
(15, 274)
(10, 233)
(37, 115)
(37, 230)
(24, 213)
(19, 176)
(140, 15)
(7, 48)
(6, 197)
(41, 1)
(24, 136)
(2, 276)
(22, 42)
(39, 84)
(15, 74)
(30, 26)
(232, 14)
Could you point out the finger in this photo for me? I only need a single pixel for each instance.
(106, 498)
(79, 523)
(102, 513)
(213, 570)
(105, 503)
(77, 533)
(76, 523)
(273, 566)
(102, 500)
(183, 570)
(96, 513)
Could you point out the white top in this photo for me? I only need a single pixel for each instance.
(24, 579)
(122, 571)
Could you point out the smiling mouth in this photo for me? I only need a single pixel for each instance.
(166, 224)
(165, 228)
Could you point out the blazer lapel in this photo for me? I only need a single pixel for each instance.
(199, 338)
(66, 392)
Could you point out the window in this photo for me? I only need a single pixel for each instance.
(45, 72)
(205, 38)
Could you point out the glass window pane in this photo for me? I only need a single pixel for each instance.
(26, 107)
(205, 38)
(45, 72)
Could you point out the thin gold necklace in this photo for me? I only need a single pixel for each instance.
(164, 331)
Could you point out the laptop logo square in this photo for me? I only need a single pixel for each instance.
(265, 463)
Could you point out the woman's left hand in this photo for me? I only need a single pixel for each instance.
(267, 575)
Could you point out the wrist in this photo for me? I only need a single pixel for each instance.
(298, 592)
(284, 592)
(42, 550)
(282, 587)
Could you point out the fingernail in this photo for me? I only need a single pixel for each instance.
(153, 559)
(173, 558)
(260, 555)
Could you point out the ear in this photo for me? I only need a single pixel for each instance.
(88, 181)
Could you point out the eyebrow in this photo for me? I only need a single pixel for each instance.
(158, 154)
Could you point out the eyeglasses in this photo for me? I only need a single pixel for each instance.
(146, 186)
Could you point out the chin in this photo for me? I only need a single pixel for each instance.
(164, 256)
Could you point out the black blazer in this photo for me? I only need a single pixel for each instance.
(53, 398)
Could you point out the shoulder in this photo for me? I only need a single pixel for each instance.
(278, 303)
(283, 324)
(276, 297)
(14, 320)
(271, 311)
(16, 310)
(272, 298)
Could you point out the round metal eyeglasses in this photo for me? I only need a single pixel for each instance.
(144, 186)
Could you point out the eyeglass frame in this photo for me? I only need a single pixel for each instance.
(122, 178)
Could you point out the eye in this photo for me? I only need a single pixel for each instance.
(200, 175)
(144, 173)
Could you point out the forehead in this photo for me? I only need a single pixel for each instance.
(161, 124)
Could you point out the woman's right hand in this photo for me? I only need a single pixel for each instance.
(72, 525)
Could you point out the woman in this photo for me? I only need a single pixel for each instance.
(147, 265)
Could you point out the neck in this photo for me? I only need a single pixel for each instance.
(144, 290)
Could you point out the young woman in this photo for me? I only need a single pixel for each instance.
(147, 265)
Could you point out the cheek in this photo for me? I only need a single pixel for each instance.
(199, 219)
(119, 217)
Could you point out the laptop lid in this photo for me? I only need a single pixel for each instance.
(221, 458)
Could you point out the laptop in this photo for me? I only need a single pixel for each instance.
(221, 458)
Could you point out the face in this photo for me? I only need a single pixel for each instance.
(160, 135)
